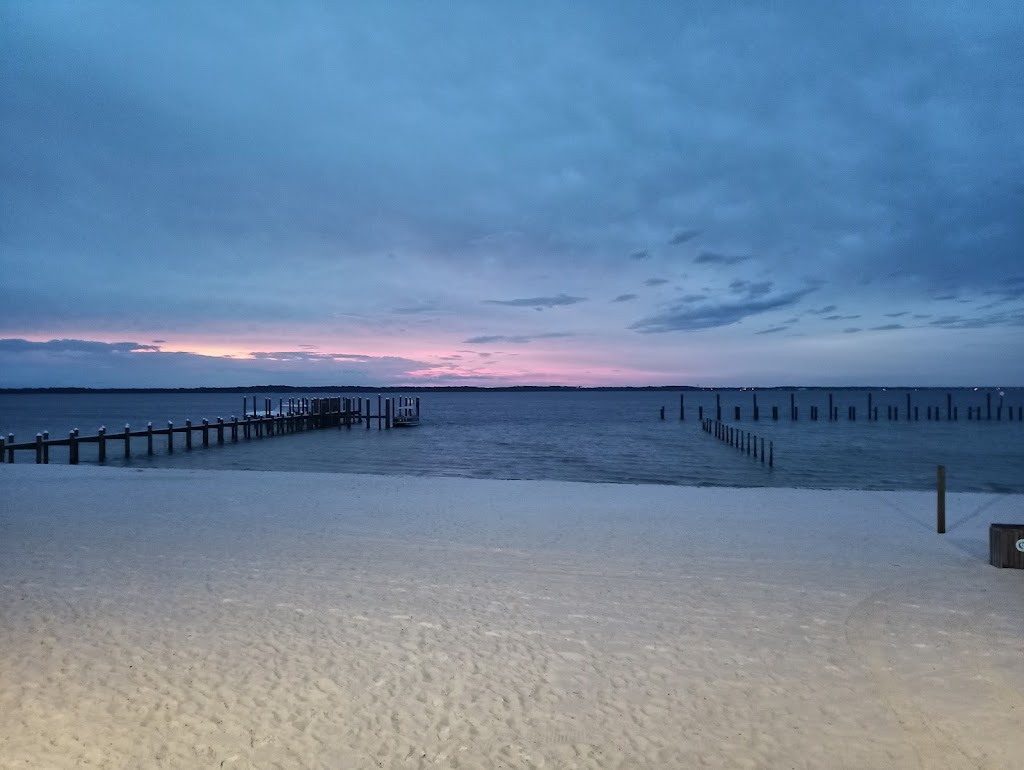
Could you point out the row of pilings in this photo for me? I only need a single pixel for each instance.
(743, 441)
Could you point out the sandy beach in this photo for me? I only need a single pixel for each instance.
(219, 619)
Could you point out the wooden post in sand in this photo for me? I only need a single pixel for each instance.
(73, 447)
(127, 441)
(941, 501)
(102, 442)
(149, 438)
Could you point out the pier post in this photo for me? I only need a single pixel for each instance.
(387, 412)
(127, 441)
(736, 413)
(46, 448)
(916, 416)
(762, 451)
(988, 406)
(170, 437)
(682, 411)
(149, 438)
(771, 454)
(757, 413)
(830, 407)
(775, 412)
(3, 457)
(792, 406)
(662, 413)
(39, 449)
(949, 406)
(102, 442)
(908, 407)
(748, 443)
(188, 435)
(73, 447)
(700, 412)
(220, 430)
(718, 406)
(206, 432)
(869, 407)
(234, 429)
(940, 513)
(418, 406)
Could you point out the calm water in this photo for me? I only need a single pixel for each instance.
(581, 436)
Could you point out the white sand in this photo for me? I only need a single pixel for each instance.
(175, 619)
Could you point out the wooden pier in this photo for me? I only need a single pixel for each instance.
(294, 415)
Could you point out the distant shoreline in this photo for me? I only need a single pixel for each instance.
(485, 389)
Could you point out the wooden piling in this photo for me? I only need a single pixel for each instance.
(73, 447)
(775, 412)
(869, 407)
(3, 455)
(941, 500)
(127, 441)
(170, 437)
(206, 432)
(46, 448)
(792, 406)
(736, 413)
(771, 454)
(757, 412)
(830, 407)
(908, 406)
(662, 413)
(988, 406)
(700, 412)
(102, 443)
(149, 438)
(387, 412)
(234, 429)
(762, 451)
(949, 406)
(682, 411)
(39, 449)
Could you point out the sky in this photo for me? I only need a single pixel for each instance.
(400, 193)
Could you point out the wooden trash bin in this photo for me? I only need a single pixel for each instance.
(1006, 545)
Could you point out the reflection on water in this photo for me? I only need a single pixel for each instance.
(586, 436)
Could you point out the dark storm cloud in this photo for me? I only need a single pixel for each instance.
(751, 289)
(624, 298)
(714, 258)
(537, 302)
(655, 282)
(682, 236)
(89, 347)
(518, 339)
(682, 317)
